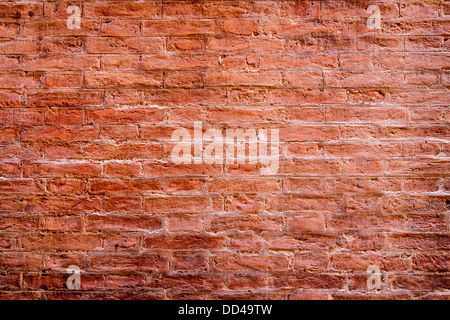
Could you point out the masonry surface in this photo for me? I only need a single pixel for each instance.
(86, 117)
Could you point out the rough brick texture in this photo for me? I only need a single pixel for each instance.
(86, 117)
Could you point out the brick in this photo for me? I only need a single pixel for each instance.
(170, 169)
(17, 81)
(119, 132)
(238, 44)
(120, 28)
(179, 28)
(19, 224)
(23, 46)
(120, 62)
(199, 204)
(119, 169)
(182, 10)
(72, 98)
(123, 80)
(179, 186)
(245, 243)
(186, 97)
(95, 223)
(241, 186)
(430, 262)
(290, 28)
(124, 45)
(64, 45)
(308, 133)
(9, 63)
(63, 186)
(63, 223)
(366, 114)
(56, 133)
(191, 224)
(305, 222)
(182, 242)
(21, 117)
(304, 97)
(64, 116)
(177, 62)
(296, 203)
(138, 185)
(21, 11)
(9, 29)
(241, 27)
(127, 9)
(21, 151)
(184, 44)
(123, 152)
(53, 242)
(191, 282)
(254, 223)
(9, 169)
(121, 204)
(125, 261)
(21, 186)
(309, 80)
(250, 115)
(67, 80)
(183, 79)
(61, 62)
(66, 151)
(228, 262)
(125, 115)
(22, 260)
(226, 9)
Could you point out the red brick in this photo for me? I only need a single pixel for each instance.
(58, 204)
(21, 186)
(65, 186)
(177, 62)
(179, 28)
(56, 133)
(184, 224)
(183, 79)
(66, 80)
(138, 185)
(122, 204)
(199, 204)
(123, 9)
(54, 242)
(226, 9)
(241, 27)
(229, 262)
(72, 98)
(182, 10)
(184, 44)
(123, 152)
(254, 223)
(63, 223)
(96, 223)
(62, 62)
(21, 11)
(124, 45)
(183, 242)
(130, 262)
(123, 80)
(237, 44)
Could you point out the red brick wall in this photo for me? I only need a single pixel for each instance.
(86, 117)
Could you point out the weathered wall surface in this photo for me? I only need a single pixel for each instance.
(86, 118)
